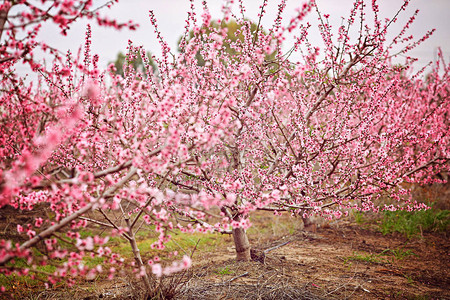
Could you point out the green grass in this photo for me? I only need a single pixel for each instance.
(204, 242)
(224, 271)
(398, 254)
(386, 256)
(184, 243)
(84, 233)
(92, 262)
(364, 257)
(359, 217)
(13, 281)
(413, 223)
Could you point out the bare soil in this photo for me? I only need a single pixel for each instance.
(335, 262)
(341, 260)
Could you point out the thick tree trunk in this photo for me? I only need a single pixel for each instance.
(241, 242)
(242, 245)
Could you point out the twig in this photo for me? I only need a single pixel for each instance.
(97, 222)
(181, 247)
(277, 246)
(232, 279)
(342, 286)
(195, 248)
(124, 234)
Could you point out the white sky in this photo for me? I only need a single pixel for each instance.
(171, 16)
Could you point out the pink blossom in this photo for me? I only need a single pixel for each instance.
(157, 270)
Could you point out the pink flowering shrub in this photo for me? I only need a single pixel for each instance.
(199, 147)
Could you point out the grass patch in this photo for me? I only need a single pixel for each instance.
(386, 256)
(359, 217)
(184, 243)
(398, 254)
(92, 262)
(14, 282)
(224, 271)
(85, 232)
(364, 257)
(412, 223)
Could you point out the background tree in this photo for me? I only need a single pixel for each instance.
(314, 137)
(122, 61)
(233, 32)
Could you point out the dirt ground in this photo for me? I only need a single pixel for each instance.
(335, 262)
(340, 260)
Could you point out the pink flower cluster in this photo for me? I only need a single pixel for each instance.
(176, 266)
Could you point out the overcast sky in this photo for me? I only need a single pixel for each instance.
(171, 15)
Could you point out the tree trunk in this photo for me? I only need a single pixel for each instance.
(309, 225)
(137, 257)
(242, 245)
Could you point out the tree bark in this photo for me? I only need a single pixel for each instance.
(3, 18)
(137, 257)
(309, 225)
(242, 245)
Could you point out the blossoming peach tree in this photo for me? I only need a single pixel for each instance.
(199, 147)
